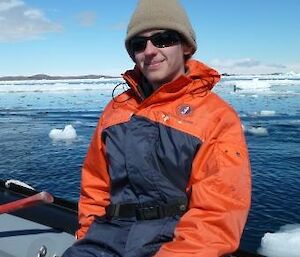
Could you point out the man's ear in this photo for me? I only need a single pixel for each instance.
(187, 50)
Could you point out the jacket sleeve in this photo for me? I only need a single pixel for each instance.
(220, 186)
(94, 194)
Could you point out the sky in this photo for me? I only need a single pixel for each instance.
(80, 37)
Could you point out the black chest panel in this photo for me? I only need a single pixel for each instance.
(148, 162)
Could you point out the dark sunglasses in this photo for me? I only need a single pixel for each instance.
(160, 40)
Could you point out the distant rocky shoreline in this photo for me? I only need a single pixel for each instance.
(47, 77)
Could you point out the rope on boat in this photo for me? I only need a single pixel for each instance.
(18, 183)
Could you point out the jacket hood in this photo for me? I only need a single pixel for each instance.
(199, 76)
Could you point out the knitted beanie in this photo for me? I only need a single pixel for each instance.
(161, 14)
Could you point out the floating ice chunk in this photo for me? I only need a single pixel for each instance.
(58, 85)
(254, 84)
(285, 242)
(257, 131)
(67, 133)
(267, 113)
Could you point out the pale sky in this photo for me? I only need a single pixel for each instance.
(79, 37)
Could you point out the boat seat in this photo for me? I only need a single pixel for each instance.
(23, 238)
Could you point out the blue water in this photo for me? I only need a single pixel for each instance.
(28, 154)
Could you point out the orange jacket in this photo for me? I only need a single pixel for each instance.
(220, 180)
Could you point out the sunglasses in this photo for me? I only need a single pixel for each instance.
(160, 40)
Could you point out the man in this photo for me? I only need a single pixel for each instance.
(167, 172)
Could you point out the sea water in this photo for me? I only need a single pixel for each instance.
(269, 107)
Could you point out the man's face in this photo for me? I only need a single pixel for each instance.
(160, 65)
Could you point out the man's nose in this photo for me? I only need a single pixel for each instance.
(150, 48)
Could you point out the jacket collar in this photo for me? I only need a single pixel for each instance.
(205, 77)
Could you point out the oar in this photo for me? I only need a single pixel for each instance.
(42, 197)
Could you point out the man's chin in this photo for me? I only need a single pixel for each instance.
(154, 75)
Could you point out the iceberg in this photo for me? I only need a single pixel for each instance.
(285, 242)
(68, 133)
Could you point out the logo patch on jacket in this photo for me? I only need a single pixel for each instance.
(184, 110)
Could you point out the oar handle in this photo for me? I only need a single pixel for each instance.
(42, 197)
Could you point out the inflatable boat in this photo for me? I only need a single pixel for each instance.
(36, 224)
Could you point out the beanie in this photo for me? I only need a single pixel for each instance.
(161, 14)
